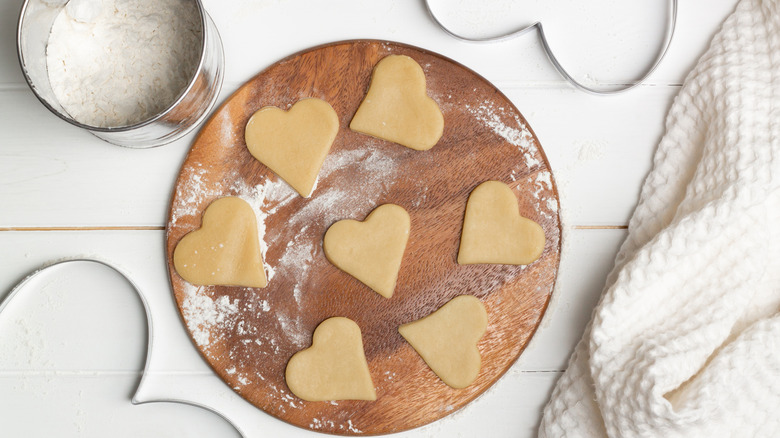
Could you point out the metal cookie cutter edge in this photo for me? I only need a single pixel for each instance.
(671, 24)
(147, 313)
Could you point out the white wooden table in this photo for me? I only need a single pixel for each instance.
(73, 343)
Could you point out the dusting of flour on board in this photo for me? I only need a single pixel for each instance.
(487, 141)
(227, 133)
(198, 190)
(213, 320)
(319, 423)
(204, 314)
(519, 136)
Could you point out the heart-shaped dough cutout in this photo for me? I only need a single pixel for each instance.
(372, 250)
(494, 231)
(225, 250)
(397, 108)
(447, 339)
(334, 367)
(293, 143)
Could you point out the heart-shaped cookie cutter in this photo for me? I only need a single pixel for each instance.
(671, 23)
(147, 313)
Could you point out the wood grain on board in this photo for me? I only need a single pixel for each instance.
(247, 335)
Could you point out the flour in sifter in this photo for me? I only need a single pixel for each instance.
(116, 63)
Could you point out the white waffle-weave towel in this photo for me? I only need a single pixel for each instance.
(686, 339)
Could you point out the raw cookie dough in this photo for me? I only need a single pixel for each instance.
(397, 108)
(334, 367)
(225, 250)
(370, 251)
(494, 231)
(447, 339)
(293, 143)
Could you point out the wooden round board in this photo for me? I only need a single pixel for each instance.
(247, 335)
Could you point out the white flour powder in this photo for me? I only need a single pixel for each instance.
(119, 62)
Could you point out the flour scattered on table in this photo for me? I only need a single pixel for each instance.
(591, 150)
